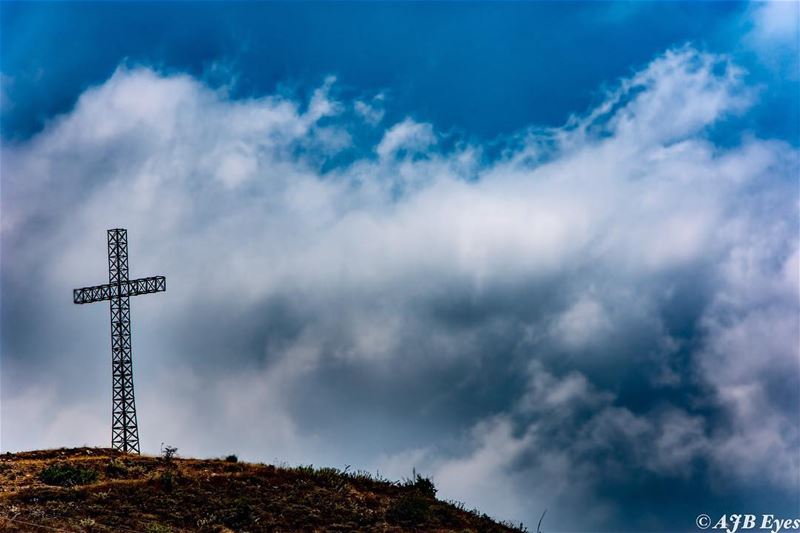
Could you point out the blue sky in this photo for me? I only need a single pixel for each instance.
(546, 253)
(482, 69)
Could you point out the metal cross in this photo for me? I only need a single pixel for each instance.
(118, 290)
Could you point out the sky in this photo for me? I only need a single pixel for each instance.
(545, 253)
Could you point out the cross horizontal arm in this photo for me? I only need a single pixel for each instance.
(132, 287)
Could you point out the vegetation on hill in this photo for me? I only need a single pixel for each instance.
(92, 489)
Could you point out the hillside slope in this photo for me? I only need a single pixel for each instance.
(94, 489)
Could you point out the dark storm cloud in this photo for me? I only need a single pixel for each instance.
(604, 318)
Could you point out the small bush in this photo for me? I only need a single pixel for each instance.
(67, 475)
(307, 470)
(168, 452)
(328, 473)
(421, 484)
(331, 477)
(409, 510)
(231, 458)
(364, 475)
(425, 486)
(167, 481)
(242, 515)
(116, 468)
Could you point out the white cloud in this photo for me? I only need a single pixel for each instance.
(584, 322)
(407, 135)
(776, 21)
(774, 35)
(372, 112)
(321, 105)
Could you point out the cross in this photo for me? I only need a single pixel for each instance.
(118, 290)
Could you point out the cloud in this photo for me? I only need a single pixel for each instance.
(407, 135)
(372, 112)
(773, 33)
(581, 324)
(602, 314)
(775, 21)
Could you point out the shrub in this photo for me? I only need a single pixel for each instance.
(331, 477)
(409, 510)
(241, 515)
(167, 481)
(307, 470)
(67, 475)
(328, 473)
(168, 452)
(231, 458)
(425, 486)
(421, 484)
(116, 468)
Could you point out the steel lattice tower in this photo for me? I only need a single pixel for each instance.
(124, 428)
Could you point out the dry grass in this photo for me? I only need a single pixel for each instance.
(110, 491)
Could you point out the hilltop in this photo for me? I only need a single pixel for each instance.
(98, 489)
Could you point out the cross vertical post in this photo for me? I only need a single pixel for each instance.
(124, 426)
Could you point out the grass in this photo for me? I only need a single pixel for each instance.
(103, 490)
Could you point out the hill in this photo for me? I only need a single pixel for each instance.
(96, 489)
